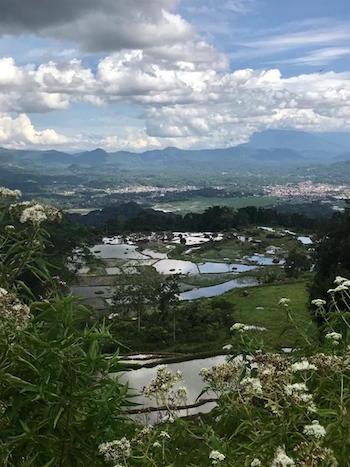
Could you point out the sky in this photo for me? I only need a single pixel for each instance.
(144, 74)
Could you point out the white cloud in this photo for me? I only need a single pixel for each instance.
(19, 132)
(182, 103)
(182, 86)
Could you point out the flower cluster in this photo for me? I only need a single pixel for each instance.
(13, 310)
(315, 430)
(225, 376)
(284, 302)
(160, 387)
(334, 337)
(342, 285)
(34, 213)
(116, 451)
(122, 451)
(326, 362)
(251, 387)
(299, 395)
(216, 457)
(281, 459)
(255, 462)
(318, 302)
(303, 365)
(314, 454)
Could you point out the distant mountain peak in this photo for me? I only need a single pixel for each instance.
(96, 151)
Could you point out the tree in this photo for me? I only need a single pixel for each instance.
(137, 291)
(297, 262)
(169, 298)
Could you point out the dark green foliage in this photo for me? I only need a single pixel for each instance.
(58, 400)
(297, 263)
(198, 324)
(55, 384)
(130, 217)
(332, 255)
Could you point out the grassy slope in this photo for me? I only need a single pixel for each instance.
(281, 332)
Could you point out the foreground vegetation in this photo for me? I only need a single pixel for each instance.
(61, 406)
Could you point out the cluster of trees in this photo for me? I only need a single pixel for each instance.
(131, 217)
(332, 256)
(162, 319)
(146, 290)
(297, 262)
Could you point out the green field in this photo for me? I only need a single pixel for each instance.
(200, 204)
(280, 331)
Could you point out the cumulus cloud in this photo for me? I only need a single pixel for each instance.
(19, 132)
(104, 25)
(182, 102)
(183, 88)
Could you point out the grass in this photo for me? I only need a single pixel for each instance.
(200, 204)
(280, 331)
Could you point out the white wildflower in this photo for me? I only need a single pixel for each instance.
(34, 214)
(281, 459)
(341, 288)
(3, 292)
(224, 376)
(318, 302)
(252, 386)
(334, 336)
(315, 430)
(114, 451)
(304, 365)
(216, 457)
(284, 302)
(12, 310)
(339, 280)
(255, 462)
(227, 347)
(162, 384)
(157, 444)
(291, 389)
(237, 327)
(164, 434)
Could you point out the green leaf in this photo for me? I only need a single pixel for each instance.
(17, 380)
(58, 416)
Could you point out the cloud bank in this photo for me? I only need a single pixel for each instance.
(185, 90)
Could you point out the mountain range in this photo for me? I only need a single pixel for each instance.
(271, 148)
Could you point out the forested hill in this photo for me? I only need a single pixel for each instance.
(131, 217)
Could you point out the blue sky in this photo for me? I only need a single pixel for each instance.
(297, 36)
(191, 73)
